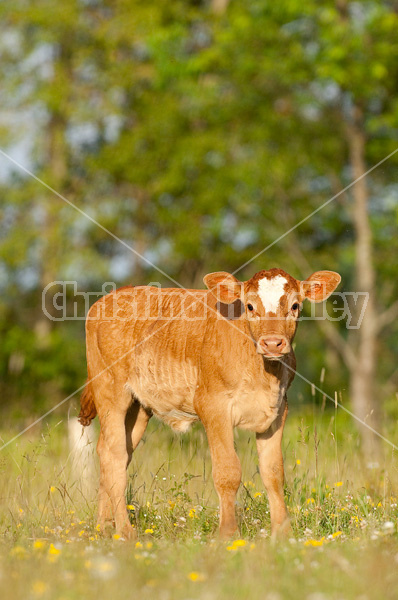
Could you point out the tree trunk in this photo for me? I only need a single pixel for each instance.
(219, 6)
(56, 169)
(56, 161)
(362, 371)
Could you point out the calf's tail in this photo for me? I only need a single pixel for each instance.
(87, 406)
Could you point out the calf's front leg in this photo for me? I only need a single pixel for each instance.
(271, 471)
(227, 471)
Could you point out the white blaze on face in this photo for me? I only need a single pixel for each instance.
(271, 291)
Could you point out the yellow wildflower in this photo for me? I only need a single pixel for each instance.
(138, 545)
(257, 495)
(236, 544)
(52, 489)
(130, 507)
(148, 530)
(314, 543)
(298, 462)
(53, 550)
(338, 484)
(116, 536)
(336, 534)
(310, 501)
(53, 553)
(39, 544)
(195, 576)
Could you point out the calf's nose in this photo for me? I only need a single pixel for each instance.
(273, 345)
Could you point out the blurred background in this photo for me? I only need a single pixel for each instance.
(199, 132)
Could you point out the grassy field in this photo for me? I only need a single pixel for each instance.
(344, 518)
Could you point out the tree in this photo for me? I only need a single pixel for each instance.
(198, 139)
(357, 63)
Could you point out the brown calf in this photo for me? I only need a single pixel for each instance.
(223, 356)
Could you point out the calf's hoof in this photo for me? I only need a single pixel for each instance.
(282, 531)
(226, 533)
(127, 532)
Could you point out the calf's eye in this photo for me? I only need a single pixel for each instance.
(250, 307)
(295, 306)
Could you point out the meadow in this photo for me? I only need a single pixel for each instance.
(344, 518)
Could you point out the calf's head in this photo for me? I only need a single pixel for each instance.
(271, 303)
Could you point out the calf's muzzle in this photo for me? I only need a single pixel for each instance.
(272, 346)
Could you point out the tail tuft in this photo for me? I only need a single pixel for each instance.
(87, 410)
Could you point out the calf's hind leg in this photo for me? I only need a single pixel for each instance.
(136, 422)
(105, 516)
(112, 452)
(120, 434)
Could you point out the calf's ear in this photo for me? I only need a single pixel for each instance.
(224, 286)
(319, 285)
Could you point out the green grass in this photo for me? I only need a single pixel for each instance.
(344, 519)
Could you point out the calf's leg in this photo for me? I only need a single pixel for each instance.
(271, 471)
(136, 422)
(227, 471)
(105, 515)
(113, 455)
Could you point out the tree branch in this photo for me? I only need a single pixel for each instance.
(219, 7)
(340, 344)
(387, 317)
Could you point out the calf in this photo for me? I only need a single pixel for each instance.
(222, 356)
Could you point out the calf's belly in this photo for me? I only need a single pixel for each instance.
(167, 390)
